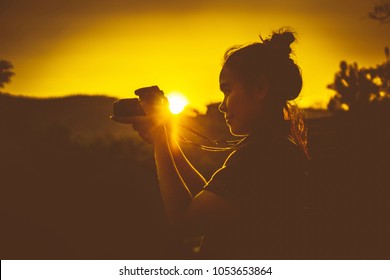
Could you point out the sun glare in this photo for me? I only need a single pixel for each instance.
(177, 102)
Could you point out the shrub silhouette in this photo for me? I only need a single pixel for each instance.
(357, 87)
(5, 72)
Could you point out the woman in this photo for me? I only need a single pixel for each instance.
(252, 207)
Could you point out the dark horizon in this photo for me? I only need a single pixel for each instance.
(69, 198)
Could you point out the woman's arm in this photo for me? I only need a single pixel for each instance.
(194, 212)
(174, 192)
(181, 204)
(192, 178)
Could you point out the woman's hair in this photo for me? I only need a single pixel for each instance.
(272, 58)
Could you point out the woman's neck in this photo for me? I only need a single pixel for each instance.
(274, 126)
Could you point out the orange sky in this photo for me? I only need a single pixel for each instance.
(113, 47)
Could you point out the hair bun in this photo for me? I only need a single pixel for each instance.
(280, 41)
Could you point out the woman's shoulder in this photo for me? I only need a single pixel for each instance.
(258, 150)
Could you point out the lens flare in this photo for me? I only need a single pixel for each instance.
(177, 102)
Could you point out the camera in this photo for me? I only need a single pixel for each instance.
(131, 107)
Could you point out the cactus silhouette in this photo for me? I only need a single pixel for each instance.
(357, 87)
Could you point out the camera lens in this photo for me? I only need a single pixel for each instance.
(128, 107)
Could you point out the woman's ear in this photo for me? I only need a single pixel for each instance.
(262, 87)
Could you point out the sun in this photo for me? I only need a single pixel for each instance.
(177, 102)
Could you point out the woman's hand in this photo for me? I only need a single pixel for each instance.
(149, 129)
(157, 116)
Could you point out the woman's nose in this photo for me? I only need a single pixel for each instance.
(222, 107)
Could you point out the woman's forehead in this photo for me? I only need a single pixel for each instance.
(226, 75)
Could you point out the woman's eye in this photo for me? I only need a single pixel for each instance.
(226, 91)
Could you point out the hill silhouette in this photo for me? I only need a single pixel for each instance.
(76, 185)
(86, 117)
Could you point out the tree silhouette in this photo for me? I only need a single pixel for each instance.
(357, 87)
(381, 12)
(5, 72)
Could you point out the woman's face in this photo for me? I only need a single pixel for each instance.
(242, 105)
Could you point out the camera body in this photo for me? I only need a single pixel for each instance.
(131, 107)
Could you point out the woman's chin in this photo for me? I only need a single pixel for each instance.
(236, 132)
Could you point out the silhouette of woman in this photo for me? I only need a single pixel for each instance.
(252, 207)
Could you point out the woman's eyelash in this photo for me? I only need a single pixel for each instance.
(226, 90)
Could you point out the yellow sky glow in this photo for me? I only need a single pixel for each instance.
(119, 54)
